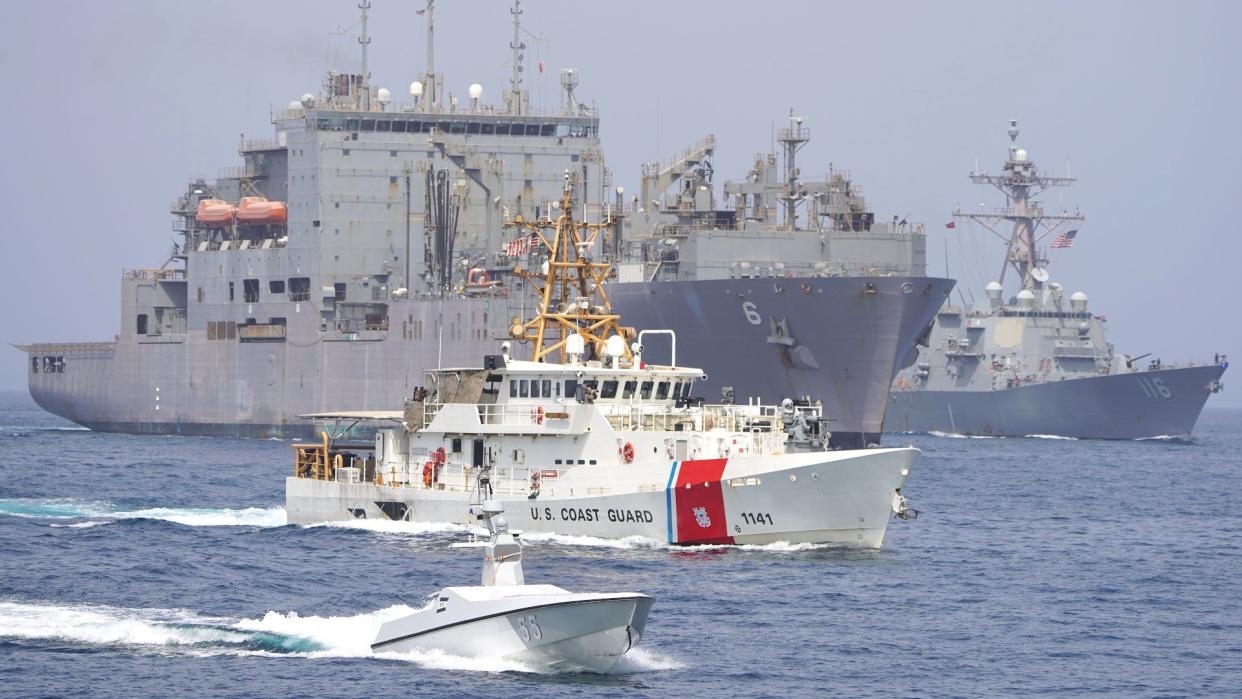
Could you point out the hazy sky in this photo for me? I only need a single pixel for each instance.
(110, 106)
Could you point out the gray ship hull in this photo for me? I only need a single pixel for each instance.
(1158, 403)
(836, 341)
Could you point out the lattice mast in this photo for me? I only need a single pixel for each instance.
(570, 286)
(1021, 182)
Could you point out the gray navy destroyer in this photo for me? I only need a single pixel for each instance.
(362, 244)
(1039, 363)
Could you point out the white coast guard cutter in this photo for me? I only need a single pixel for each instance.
(587, 438)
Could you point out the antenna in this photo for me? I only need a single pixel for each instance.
(518, 46)
(569, 81)
(365, 41)
(429, 85)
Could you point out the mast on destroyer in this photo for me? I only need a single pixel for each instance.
(1021, 182)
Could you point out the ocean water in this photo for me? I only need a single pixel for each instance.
(162, 566)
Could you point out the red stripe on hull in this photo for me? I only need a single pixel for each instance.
(700, 503)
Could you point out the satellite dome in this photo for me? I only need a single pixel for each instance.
(1078, 301)
(416, 89)
(574, 344)
(475, 91)
(383, 95)
(1026, 298)
(307, 100)
(295, 105)
(1020, 155)
(993, 286)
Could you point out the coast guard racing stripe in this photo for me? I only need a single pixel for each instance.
(699, 508)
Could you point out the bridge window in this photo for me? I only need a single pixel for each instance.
(60, 365)
(534, 388)
(571, 388)
(609, 390)
(513, 388)
(276, 286)
(34, 365)
(662, 390)
(299, 289)
(547, 388)
(524, 388)
(627, 391)
(645, 392)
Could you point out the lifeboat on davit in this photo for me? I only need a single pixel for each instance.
(260, 210)
(215, 213)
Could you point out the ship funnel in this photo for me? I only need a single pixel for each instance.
(1078, 302)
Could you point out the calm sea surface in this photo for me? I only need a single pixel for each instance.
(161, 566)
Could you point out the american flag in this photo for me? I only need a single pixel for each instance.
(1065, 240)
(519, 246)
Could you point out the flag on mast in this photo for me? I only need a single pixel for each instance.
(951, 224)
(1065, 240)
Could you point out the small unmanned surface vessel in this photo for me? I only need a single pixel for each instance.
(543, 626)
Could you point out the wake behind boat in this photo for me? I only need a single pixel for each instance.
(588, 438)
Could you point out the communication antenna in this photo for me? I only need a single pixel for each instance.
(365, 40)
(517, 46)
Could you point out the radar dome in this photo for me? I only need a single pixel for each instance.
(383, 95)
(295, 105)
(1026, 298)
(615, 346)
(1020, 155)
(574, 344)
(993, 290)
(476, 91)
(307, 100)
(1078, 301)
(416, 89)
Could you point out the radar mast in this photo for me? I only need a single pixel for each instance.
(1021, 182)
(572, 300)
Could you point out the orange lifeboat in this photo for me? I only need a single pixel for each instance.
(215, 213)
(260, 210)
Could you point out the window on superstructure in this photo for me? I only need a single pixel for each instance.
(547, 388)
(250, 290)
(645, 391)
(344, 152)
(299, 289)
(686, 387)
(339, 290)
(534, 389)
(398, 126)
(230, 291)
(627, 391)
(488, 128)
(524, 388)
(609, 390)
(513, 386)
(142, 324)
(662, 391)
(502, 129)
(276, 286)
(571, 388)
(277, 320)
(383, 125)
(34, 365)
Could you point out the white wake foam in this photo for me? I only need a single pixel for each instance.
(104, 512)
(388, 526)
(955, 435)
(1050, 436)
(274, 634)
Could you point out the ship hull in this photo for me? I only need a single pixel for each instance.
(827, 497)
(1142, 405)
(838, 343)
(838, 340)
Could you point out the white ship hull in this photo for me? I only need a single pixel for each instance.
(837, 497)
(562, 632)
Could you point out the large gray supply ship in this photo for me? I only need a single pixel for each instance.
(1039, 363)
(389, 258)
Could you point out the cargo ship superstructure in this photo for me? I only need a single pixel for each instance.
(1039, 362)
(362, 244)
